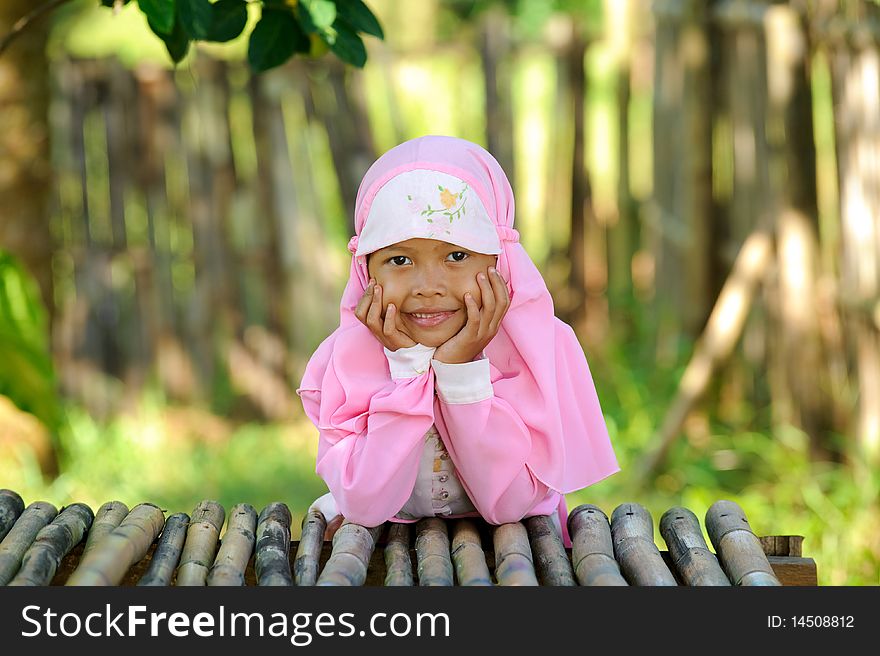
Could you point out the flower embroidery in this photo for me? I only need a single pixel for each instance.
(447, 198)
(453, 205)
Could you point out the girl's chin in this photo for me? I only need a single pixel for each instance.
(431, 338)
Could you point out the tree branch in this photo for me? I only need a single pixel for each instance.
(717, 342)
(22, 23)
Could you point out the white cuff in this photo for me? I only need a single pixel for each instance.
(411, 361)
(468, 382)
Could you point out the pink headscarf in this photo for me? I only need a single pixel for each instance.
(541, 364)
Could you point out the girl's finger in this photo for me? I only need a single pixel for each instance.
(375, 312)
(389, 326)
(502, 298)
(364, 303)
(473, 320)
(401, 333)
(489, 302)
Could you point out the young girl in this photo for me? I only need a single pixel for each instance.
(449, 388)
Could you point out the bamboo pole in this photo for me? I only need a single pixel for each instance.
(308, 553)
(693, 561)
(107, 518)
(398, 565)
(167, 553)
(21, 536)
(11, 507)
(513, 556)
(124, 546)
(272, 562)
(551, 561)
(717, 341)
(592, 551)
(432, 552)
(468, 556)
(53, 542)
(201, 543)
(632, 533)
(737, 546)
(353, 546)
(235, 548)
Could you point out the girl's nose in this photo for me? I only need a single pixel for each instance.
(429, 281)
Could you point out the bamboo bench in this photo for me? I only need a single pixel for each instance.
(115, 546)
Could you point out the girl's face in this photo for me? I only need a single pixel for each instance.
(427, 276)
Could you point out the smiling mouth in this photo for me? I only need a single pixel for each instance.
(428, 319)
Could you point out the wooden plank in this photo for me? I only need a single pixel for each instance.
(792, 570)
(782, 545)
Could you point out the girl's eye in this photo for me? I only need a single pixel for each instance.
(398, 257)
(463, 255)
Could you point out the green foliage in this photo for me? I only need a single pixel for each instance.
(228, 20)
(196, 17)
(175, 457)
(160, 13)
(285, 27)
(27, 377)
(275, 39)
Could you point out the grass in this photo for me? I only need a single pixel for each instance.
(175, 457)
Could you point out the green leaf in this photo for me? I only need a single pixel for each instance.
(110, 3)
(27, 377)
(177, 43)
(275, 38)
(316, 15)
(196, 17)
(160, 14)
(228, 20)
(358, 16)
(348, 45)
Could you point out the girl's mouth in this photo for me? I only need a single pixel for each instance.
(429, 320)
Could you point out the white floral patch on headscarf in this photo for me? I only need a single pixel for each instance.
(427, 204)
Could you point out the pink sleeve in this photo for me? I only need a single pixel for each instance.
(488, 442)
(369, 456)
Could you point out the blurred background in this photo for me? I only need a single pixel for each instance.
(697, 180)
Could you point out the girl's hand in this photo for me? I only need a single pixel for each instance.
(482, 324)
(387, 330)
